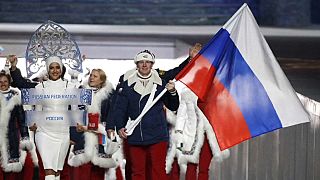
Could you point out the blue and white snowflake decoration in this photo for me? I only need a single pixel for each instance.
(25, 96)
(86, 96)
(51, 39)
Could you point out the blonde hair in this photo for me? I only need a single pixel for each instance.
(11, 56)
(103, 76)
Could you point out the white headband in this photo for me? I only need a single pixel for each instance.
(144, 56)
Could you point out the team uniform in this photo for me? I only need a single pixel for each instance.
(151, 135)
(88, 154)
(14, 135)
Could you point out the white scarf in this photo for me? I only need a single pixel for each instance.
(139, 85)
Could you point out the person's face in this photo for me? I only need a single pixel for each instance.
(144, 67)
(54, 71)
(94, 79)
(4, 83)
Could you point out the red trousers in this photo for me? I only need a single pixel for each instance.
(88, 171)
(152, 155)
(119, 173)
(1, 174)
(204, 164)
(127, 157)
(175, 171)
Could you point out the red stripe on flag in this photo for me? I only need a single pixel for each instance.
(197, 75)
(100, 140)
(216, 102)
(224, 116)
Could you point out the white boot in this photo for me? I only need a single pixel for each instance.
(57, 177)
(50, 177)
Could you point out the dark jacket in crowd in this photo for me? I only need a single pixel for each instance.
(153, 126)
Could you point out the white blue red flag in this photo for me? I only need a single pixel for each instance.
(241, 88)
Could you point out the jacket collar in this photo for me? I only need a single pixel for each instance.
(138, 86)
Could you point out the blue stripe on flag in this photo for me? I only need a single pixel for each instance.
(213, 50)
(242, 84)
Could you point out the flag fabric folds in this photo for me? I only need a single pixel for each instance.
(241, 88)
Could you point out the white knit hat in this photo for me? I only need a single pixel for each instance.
(144, 55)
(53, 59)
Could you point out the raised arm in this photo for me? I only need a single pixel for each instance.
(17, 79)
(171, 74)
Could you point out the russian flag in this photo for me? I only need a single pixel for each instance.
(241, 88)
(102, 139)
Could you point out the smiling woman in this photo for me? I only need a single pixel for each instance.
(5, 82)
(97, 78)
(54, 71)
(53, 141)
(14, 135)
(87, 156)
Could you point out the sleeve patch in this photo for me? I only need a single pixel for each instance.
(162, 72)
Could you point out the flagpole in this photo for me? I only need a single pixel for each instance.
(132, 126)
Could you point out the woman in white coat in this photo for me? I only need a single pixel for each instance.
(53, 141)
